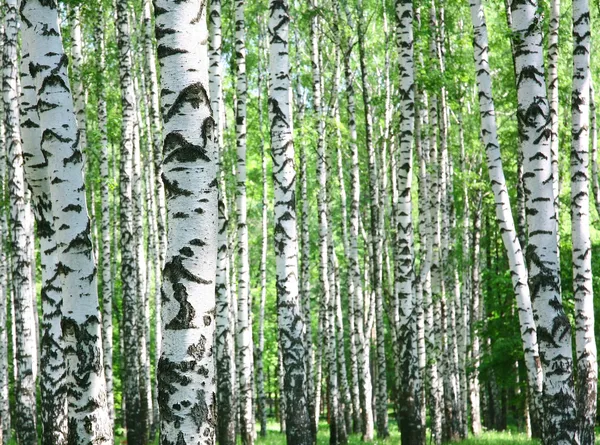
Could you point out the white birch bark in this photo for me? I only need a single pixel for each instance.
(186, 369)
(291, 324)
(364, 372)
(553, 52)
(585, 342)
(130, 326)
(107, 252)
(411, 432)
(553, 327)
(243, 325)
(81, 326)
(260, 373)
(141, 278)
(5, 415)
(53, 367)
(503, 211)
(226, 415)
(23, 316)
(376, 241)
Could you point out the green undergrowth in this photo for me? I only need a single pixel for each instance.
(274, 437)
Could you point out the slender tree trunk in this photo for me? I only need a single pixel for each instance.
(243, 325)
(474, 386)
(186, 370)
(226, 416)
(23, 316)
(410, 427)
(382, 416)
(291, 324)
(336, 427)
(131, 326)
(107, 253)
(553, 99)
(553, 327)
(364, 372)
(585, 343)
(503, 211)
(86, 385)
(260, 377)
(5, 430)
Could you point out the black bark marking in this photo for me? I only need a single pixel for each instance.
(194, 94)
(179, 149)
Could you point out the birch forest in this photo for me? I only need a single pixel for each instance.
(269, 222)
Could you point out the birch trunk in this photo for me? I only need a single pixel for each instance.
(226, 416)
(585, 342)
(243, 325)
(52, 383)
(336, 427)
(364, 372)
(554, 106)
(260, 377)
(381, 409)
(553, 327)
(81, 326)
(503, 211)
(410, 425)
(23, 315)
(186, 369)
(5, 419)
(107, 253)
(291, 324)
(131, 327)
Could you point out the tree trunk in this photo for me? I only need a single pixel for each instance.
(503, 212)
(260, 377)
(131, 327)
(243, 325)
(291, 324)
(23, 316)
(107, 253)
(553, 99)
(410, 427)
(553, 327)
(585, 343)
(81, 328)
(226, 416)
(186, 369)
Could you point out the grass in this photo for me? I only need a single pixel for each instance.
(274, 437)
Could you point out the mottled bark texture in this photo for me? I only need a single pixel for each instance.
(504, 216)
(585, 342)
(553, 327)
(291, 323)
(410, 379)
(130, 327)
(81, 327)
(22, 285)
(186, 369)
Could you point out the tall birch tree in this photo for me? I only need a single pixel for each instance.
(585, 342)
(553, 327)
(186, 369)
(81, 326)
(291, 324)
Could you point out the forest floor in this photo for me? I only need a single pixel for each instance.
(274, 437)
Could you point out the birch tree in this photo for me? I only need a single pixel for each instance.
(291, 324)
(186, 369)
(585, 342)
(86, 386)
(243, 325)
(553, 327)
(504, 216)
(23, 315)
